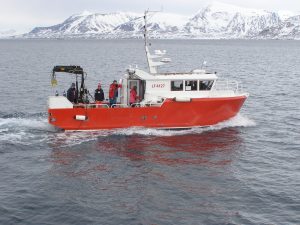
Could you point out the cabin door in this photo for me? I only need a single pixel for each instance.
(132, 83)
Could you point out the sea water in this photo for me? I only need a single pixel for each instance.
(242, 171)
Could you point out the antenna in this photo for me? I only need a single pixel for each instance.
(158, 53)
(146, 24)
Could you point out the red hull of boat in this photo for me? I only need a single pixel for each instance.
(198, 112)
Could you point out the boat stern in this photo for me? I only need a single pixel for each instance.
(54, 103)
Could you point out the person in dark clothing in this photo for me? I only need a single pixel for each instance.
(71, 93)
(99, 94)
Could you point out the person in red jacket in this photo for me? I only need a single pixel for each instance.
(113, 93)
(133, 96)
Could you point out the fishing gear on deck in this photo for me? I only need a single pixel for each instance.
(81, 91)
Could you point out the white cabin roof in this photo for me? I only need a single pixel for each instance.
(185, 76)
(175, 76)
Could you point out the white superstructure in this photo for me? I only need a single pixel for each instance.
(153, 87)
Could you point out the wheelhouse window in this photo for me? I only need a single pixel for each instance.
(177, 85)
(205, 85)
(191, 85)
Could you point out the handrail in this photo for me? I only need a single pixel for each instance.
(156, 104)
(227, 85)
(150, 104)
(119, 105)
(106, 105)
(138, 104)
(91, 105)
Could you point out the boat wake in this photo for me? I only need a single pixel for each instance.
(237, 121)
(25, 129)
(72, 138)
(29, 129)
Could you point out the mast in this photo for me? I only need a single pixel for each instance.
(158, 53)
(152, 70)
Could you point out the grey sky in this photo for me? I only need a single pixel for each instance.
(23, 15)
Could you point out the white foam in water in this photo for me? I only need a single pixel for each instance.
(78, 137)
(19, 130)
(24, 123)
(36, 130)
(3, 130)
(237, 121)
(71, 138)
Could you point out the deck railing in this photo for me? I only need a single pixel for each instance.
(228, 85)
(116, 105)
(92, 105)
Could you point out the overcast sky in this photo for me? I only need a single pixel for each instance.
(23, 15)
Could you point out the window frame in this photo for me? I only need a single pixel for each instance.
(209, 84)
(172, 86)
(197, 85)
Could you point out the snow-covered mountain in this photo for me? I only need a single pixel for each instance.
(83, 24)
(215, 21)
(288, 29)
(160, 25)
(220, 20)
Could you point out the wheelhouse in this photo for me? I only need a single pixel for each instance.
(154, 88)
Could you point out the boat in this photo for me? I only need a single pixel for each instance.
(172, 100)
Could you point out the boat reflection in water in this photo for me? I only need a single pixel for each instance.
(176, 150)
(149, 178)
(209, 148)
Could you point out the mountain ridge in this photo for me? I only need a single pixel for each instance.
(214, 21)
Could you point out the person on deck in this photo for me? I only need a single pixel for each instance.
(71, 93)
(133, 96)
(99, 95)
(113, 93)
